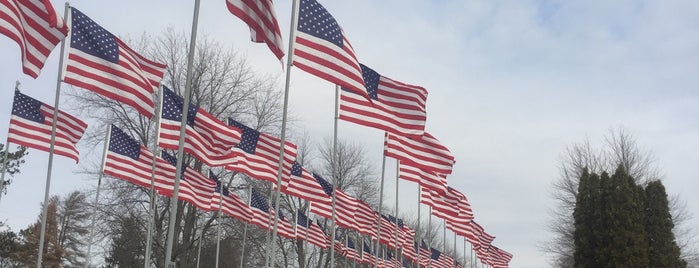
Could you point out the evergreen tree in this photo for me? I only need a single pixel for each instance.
(627, 244)
(127, 245)
(662, 249)
(27, 249)
(586, 208)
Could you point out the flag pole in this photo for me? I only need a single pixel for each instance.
(51, 146)
(201, 238)
(396, 214)
(417, 234)
(454, 246)
(429, 237)
(245, 229)
(151, 208)
(97, 197)
(378, 236)
(333, 160)
(289, 63)
(220, 208)
(465, 254)
(180, 147)
(6, 153)
(444, 236)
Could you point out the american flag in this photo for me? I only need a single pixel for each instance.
(31, 123)
(195, 188)
(387, 233)
(37, 29)
(366, 219)
(284, 228)
(310, 231)
(322, 49)
(424, 152)
(345, 205)
(338, 245)
(259, 16)
(260, 210)
(500, 258)
(424, 253)
(207, 138)
(351, 252)
(230, 204)
(395, 107)
(434, 257)
(303, 184)
(410, 251)
(98, 61)
(130, 161)
(425, 178)
(367, 255)
(257, 154)
(452, 206)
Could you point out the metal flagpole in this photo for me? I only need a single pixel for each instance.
(97, 197)
(454, 246)
(429, 237)
(396, 214)
(201, 237)
(465, 254)
(6, 153)
(473, 261)
(378, 238)
(151, 209)
(292, 30)
(417, 234)
(51, 146)
(333, 162)
(245, 230)
(444, 236)
(180, 148)
(220, 208)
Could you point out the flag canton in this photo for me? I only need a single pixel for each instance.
(423, 245)
(366, 248)
(371, 81)
(327, 187)
(258, 201)
(350, 243)
(435, 254)
(172, 107)
(173, 161)
(28, 108)
(296, 169)
(123, 144)
(396, 221)
(248, 141)
(88, 37)
(302, 219)
(315, 20)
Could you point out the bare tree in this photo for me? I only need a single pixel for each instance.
(619, 148)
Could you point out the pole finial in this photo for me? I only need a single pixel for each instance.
(17, 84)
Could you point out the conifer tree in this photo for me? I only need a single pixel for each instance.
(627, 246)
(586, 208)
(662, 248)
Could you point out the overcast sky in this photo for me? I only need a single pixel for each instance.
(511, 84)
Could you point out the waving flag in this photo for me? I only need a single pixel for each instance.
(260, 210)
(130, 161)
(394, 107)
(98, 61)
(198, 189)
(302, 184)
(424, 152)
(207, 138)
(31, 123)
(425, 178)
(345, 206)
(257, 154)
(259, 16)
(351, 252)
(366, 219)
(284, 228)
(322, 49)
(310, 231)
(230, 204)
(37, 29)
